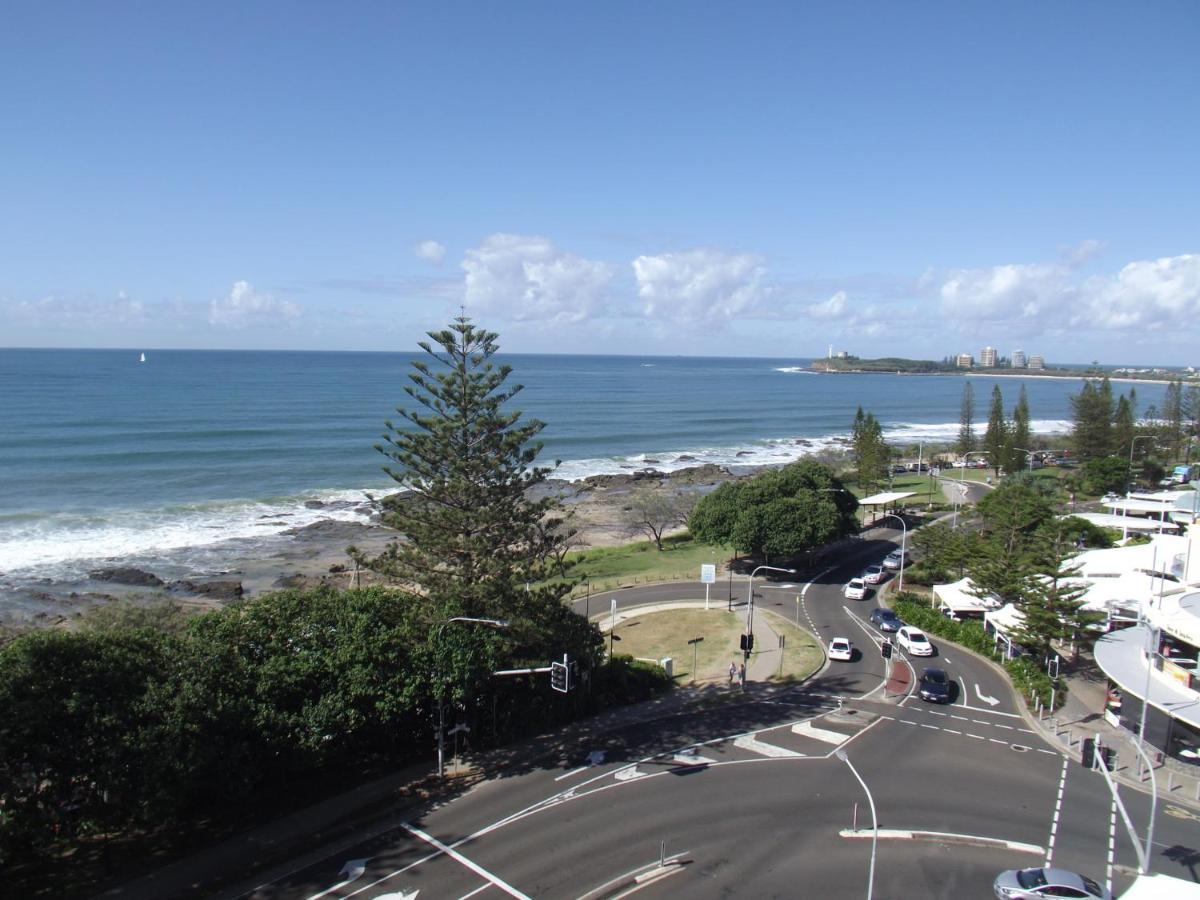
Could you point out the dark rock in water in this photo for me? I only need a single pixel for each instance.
(744, 453)
(803, 442)
(314, 504)
(331, 529)
(653, 461)
(127, 575)
(215, 590)
(681, 458)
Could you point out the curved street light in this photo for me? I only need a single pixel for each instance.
(962, 474)
(433, 634)
(750, 605)
(841, 754)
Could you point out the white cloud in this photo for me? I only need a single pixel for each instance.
(430, 251)
(244, 307)
(1004, 293)
(1151, 294)
(528, 278)
(699, 286)
(833, 308)
(66, 312)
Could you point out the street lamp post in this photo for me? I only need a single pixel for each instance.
(903, 544)
(750, 606)
(1028, 454)
(437, 630)
(841, 754)
(962, 484)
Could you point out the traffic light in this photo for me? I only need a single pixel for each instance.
(560, 677)
(747, 642)
(885, 649)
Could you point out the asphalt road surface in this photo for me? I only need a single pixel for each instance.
(749, 797)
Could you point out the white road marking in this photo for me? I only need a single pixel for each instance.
(754, 745)
(976, 736)
(951, 731)
(628, 774)
(1062, 786)
(1112, 846)
(354, 868)
(807, 729)
(458, 857)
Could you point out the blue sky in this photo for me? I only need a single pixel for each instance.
(764, 179)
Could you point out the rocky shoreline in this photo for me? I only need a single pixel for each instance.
(316, 554)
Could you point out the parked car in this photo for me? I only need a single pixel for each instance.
(856, 589)
(934, 686)
(873, 574)
(1034, 884)
(894, 560)
(913, 640)
(841, 649)
(886, 619)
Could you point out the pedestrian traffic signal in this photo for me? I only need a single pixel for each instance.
(747, 643)
(560, 677)
(885, 649)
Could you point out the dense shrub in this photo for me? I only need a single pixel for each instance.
(1027, 675)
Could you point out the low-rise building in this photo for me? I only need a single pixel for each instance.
(1018, 359)
(1036, 362)
(964, 360)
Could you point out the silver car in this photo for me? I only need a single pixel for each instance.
(1035, 884)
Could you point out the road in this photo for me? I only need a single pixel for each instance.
(749, 798)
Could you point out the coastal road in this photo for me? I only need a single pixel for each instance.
(751, 797)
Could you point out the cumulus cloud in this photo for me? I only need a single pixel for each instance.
(430, 251)
(244, 307)
(528, 278)
(1153, 294)
(1004, 293)
(833, 308)
(698, 286)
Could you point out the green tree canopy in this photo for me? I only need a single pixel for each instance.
(871, 455)
(1092, 411)
(473, 538)
(966, 421)
(996, 439)
(779, 512)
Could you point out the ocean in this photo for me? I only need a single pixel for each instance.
(176, 459)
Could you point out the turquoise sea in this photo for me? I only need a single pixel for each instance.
(103, 457)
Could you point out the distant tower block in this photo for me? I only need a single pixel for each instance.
(987, 358)
(1018, 359)
(830, 352)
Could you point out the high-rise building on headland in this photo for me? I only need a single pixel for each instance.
(964, 360)
(987, 358)
(1018, 359)
(1036, 362)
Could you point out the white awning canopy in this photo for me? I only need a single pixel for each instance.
(886, 497)
(959, 597)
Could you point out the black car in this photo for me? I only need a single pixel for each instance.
(934, 686)
(886, 619)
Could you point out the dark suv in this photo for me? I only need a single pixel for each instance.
(886, 619)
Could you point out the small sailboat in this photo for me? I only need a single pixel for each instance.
(143, 358)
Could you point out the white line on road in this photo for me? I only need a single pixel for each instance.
(951, 731)
(754, 745)
(1112, 845)
(976, 736)
(474, 867)
(1062, 786)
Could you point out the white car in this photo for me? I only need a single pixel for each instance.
(913, 640)
(841, 649)
(873, 574)
(894, 560)
(856, 589)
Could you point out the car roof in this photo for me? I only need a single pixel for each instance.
(840, 641)
(874, 566)
(885, 612)
(912, 632)
(854, 579)
(1064, 877)
(933, 672)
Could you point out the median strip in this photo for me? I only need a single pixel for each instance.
(901, 834)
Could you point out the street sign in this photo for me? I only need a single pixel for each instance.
(708, 573)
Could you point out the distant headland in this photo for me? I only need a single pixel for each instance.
(847, 364)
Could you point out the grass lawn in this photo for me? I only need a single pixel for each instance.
(660, 634)
(641, 562)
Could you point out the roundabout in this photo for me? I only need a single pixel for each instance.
(713, 792)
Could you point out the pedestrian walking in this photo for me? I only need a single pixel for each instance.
(732, 672)
(742, 674)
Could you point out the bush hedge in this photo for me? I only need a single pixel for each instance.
(1026, 675)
